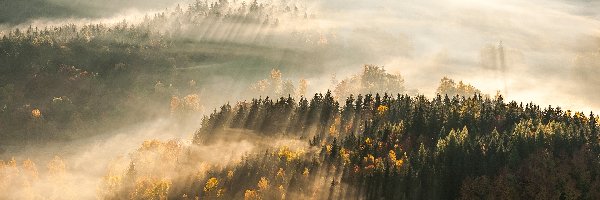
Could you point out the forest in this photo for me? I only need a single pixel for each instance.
(390, 147)
(110, 74)
(299, 99)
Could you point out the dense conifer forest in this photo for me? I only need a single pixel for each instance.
(398, 147)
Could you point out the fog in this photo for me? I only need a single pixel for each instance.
(541, 51)
(89, 163)
(86, 161)
(541, 40)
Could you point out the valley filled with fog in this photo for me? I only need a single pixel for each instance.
(299, 99)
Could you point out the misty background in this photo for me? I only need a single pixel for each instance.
(551, 46)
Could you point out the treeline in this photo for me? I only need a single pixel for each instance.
(403, 147)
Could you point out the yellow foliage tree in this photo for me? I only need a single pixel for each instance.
(251, 195)
(281, 173)
(382, 109)
(289, 155)
(36, 113)
(192, 102)
(211, 184)
(306, 172)
(56, 167)
(230, 174)
(151, 188)
(263, 184)
(30, 169)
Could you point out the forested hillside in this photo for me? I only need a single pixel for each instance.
(382, 146)
(57, 83)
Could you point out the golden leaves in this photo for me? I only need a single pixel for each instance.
(150, 145)
(449, 87)
(328, 148)
(12, 163)
(56, 167)
(345, 154)
(333, 130)
(36, 113)
(276, 86)
(30, 169)
(211, 184)
(275, 74)
(111, 183)
(155, 151)
(25, 177)
(230, 174)
(399, 163)
(396, 162)
(281, 173)
(263, 184)
(289, 155)
(190, 102)
(149, 177)
(251, 195)
(369, 159)
(260, 86)
(382, 109)
(220, 192)
(392, 155)
(282, 191)
(151, 188)
(306, 172)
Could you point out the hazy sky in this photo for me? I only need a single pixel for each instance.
(542, 39)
